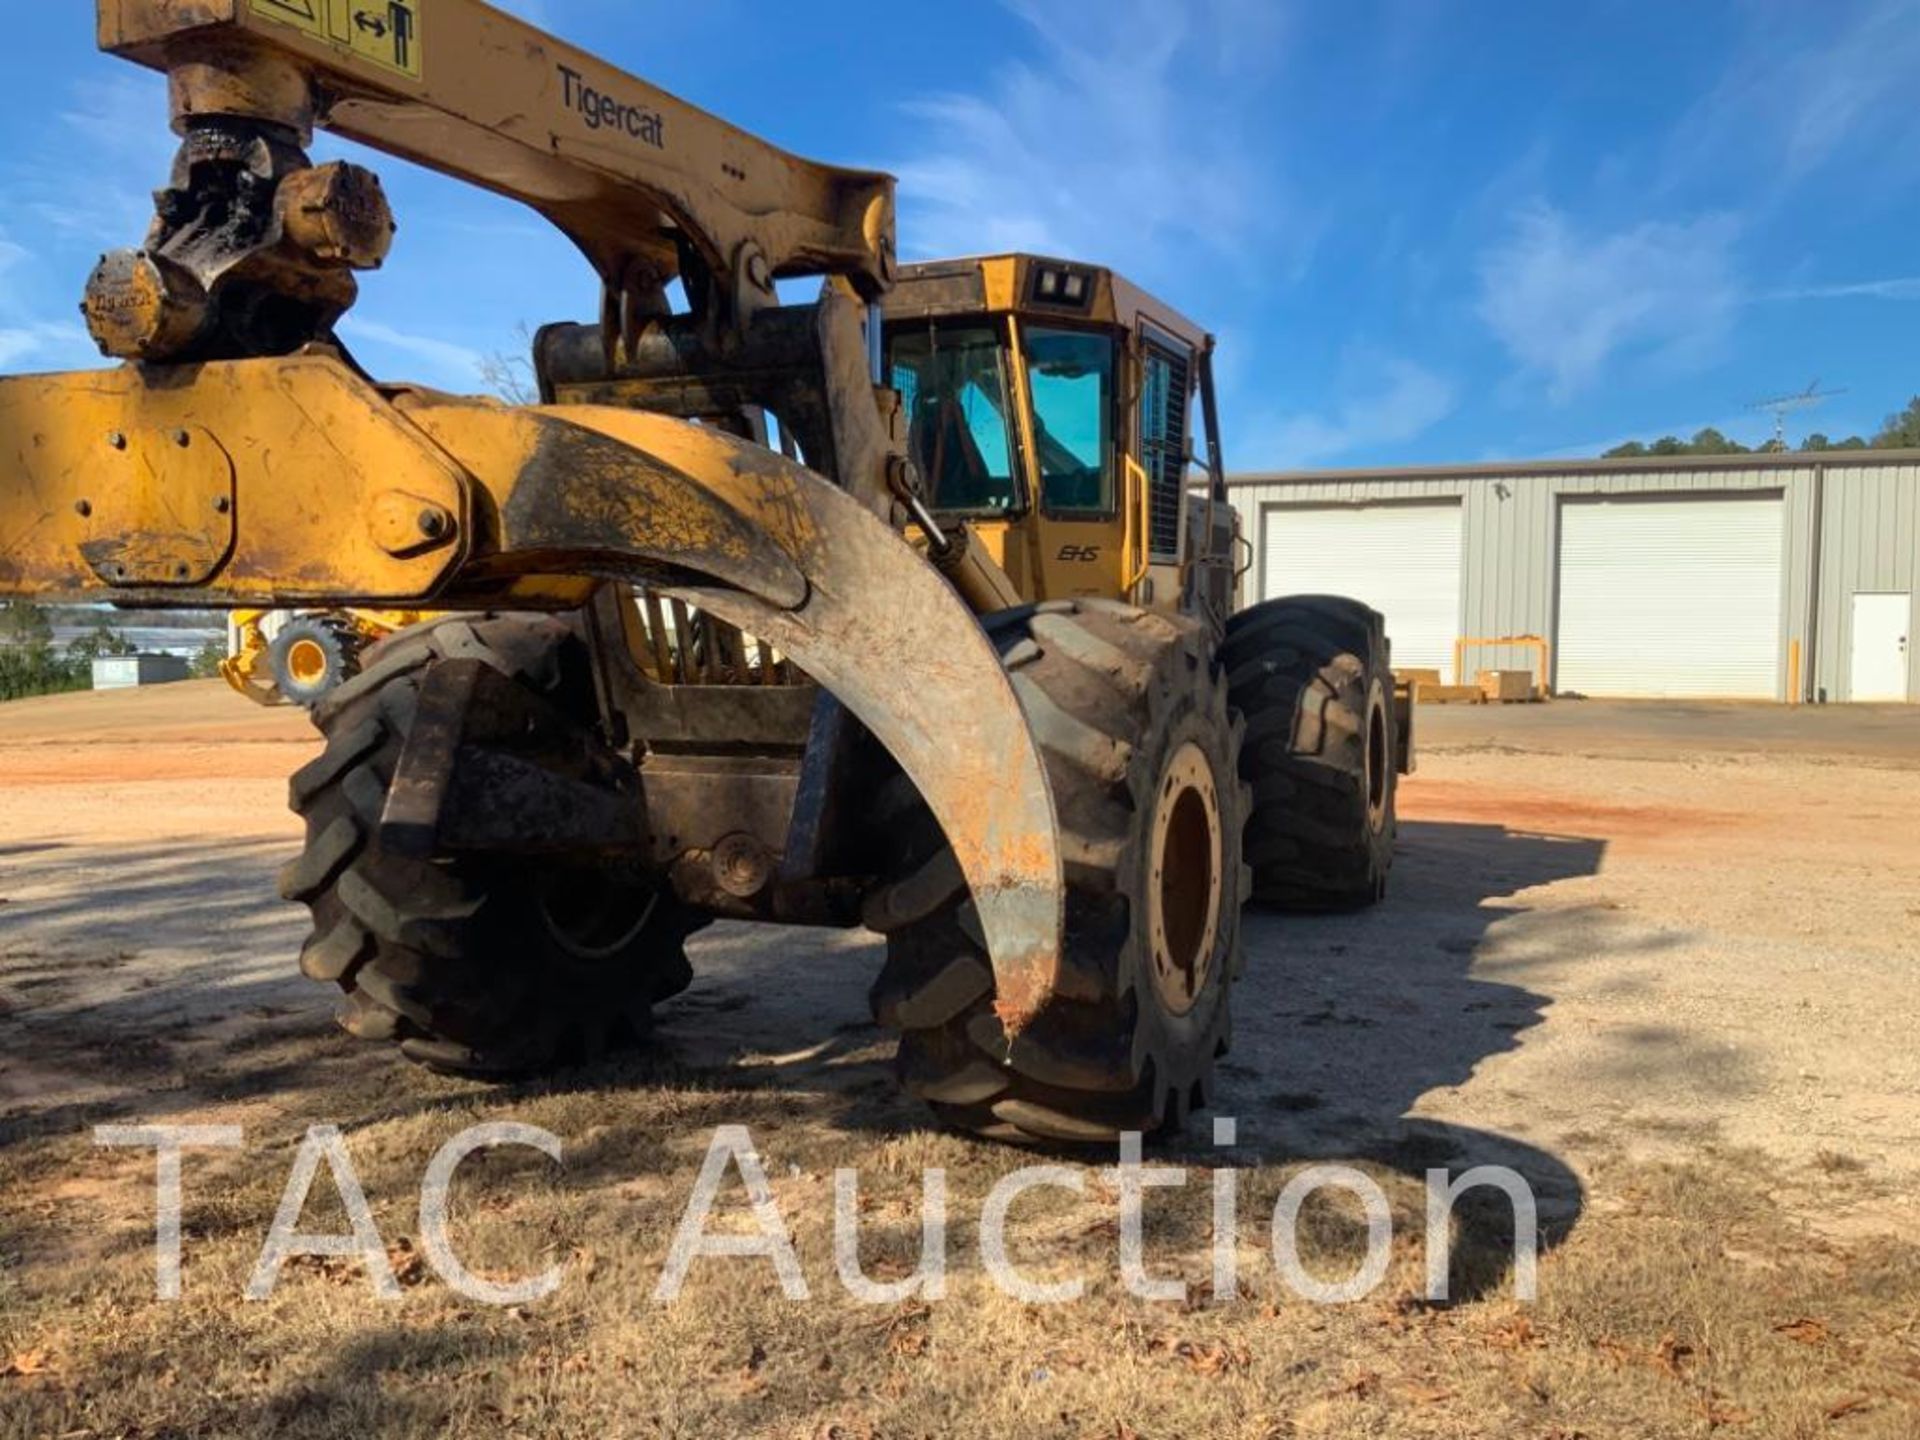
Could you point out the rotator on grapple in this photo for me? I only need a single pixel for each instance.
(952, 659)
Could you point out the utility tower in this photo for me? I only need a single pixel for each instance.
(1781, 405)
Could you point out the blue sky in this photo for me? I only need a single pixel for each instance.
(1423, 231)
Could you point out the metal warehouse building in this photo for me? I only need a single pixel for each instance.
(1786, 577)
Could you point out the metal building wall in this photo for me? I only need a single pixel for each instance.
(1510, 519)
(1870, 540)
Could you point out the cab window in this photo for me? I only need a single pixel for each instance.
(1070, 373)
(953, 389)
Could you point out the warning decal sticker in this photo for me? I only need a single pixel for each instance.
(386, 32)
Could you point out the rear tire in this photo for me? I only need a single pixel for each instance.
(1310, 675)
(476, 964)
(1131, 714)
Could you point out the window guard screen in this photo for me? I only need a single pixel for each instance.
(1166, 389)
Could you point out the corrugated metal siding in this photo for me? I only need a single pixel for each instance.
(1870, 540)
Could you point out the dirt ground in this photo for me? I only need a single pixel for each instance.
(1663, 960)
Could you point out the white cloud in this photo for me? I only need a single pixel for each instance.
(1116, 143)
(1388, 400)
(47, 345)
(455, 365)
(1807, 86)
(1904, 287)
(1565, 304)
(1864, 78)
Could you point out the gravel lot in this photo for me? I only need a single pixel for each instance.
(1620, 937)
(1612, 928)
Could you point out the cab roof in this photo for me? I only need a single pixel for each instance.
(1031, 286)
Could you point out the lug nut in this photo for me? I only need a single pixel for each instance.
(117, 440)
(433, 524)
(221, 504)
(83, 508)
(182, 439)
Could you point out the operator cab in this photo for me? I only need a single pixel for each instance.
(1050, 404)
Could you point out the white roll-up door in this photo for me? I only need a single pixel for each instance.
(1403, 560)
(1670, 596)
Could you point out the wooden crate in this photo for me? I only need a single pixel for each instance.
(1506, 686)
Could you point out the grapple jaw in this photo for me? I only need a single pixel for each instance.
(295, 482)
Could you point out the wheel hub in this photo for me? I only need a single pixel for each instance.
(1183, 890)
(306, 661)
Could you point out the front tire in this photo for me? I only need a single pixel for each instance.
(1131, 714)
(312, 656)
(475, 964)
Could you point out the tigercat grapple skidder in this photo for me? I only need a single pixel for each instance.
(910, 607)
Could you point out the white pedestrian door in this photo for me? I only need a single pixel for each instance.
(1881, 635)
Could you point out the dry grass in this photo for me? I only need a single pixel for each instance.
(1681, 1302)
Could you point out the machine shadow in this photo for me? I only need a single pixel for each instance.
(1343, 1023)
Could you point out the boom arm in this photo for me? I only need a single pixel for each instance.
(648, 186)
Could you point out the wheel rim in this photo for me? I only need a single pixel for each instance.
(1379, 762)
(1183, 893)
(593, 917)
(307, 661)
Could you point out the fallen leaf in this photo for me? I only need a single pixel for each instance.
(1672, 1355)
(409, 1266)
(1616, 1351)
(909, 1342)
(1718, 1411)
(1805, 1330)
(1516, 1333)
(1852, 1405)
(29, 1362)
(1217, 1358)
(1428, 1394)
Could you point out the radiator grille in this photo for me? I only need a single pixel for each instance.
(687, 646)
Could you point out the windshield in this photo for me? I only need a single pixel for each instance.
(1071, 375)
(953, 390)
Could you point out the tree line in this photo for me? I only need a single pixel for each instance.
(1900, 432)
(31, 664)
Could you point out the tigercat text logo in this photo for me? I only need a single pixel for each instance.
(602, 111)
